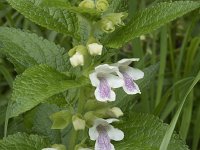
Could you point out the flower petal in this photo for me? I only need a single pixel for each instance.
(112, 147)
(101, 121)
(134, 73)
(94, 80)
(114, 81)
(130, 87)
(134, 90)
(111, 120)
(112, 96)
(93, 133)
(106, 69)
(98, 147)
(103, 92)
(126, 62)
(115, 134)
(103, 140)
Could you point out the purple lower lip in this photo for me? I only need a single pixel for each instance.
(103, 141)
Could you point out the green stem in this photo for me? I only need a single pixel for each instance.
(74, 133)
(7, 119)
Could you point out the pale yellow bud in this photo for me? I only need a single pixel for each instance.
(87, 4)
(77, 59)
(107, 25)
(95, 48)
(102, 5)
(78, 123)
(117, 112)
(116, 18)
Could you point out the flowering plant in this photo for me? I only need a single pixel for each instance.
(76, 97)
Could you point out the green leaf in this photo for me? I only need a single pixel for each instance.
(53, 3)
(36, 85)
(26, 50)
(62, 4)
(42, 123)
(148, 20)
(54, 18)
(145, 132)
(22, 141)
(114, 5)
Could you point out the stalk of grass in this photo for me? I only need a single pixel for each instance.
(183, 47)
(171, 50)
(6, 75)
(170, 130)
(196, 131)
(163, 56)
(187, 116)
(153, 61)
(187, 110)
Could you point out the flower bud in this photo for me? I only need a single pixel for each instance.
(102, 5)
(78, 123)
(77, 59)
(142, 37)
(117, 112)
(95, 48)
(87, 4)
(116, 18)
(77, 54)
(79, 48)
(107, 25)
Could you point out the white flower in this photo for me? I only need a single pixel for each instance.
(49, 149)
(77, 59)
(129, 75)
(102, 132)
(104, 79)
(95, 48)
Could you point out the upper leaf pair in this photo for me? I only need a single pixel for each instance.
(66, 20)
